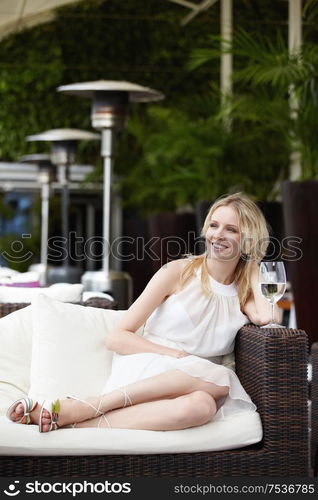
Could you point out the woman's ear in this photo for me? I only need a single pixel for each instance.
(245, 256)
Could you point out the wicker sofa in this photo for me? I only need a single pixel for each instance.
(272, 366)
(314, 408)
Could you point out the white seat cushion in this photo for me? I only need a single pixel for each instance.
(69, 357)
(241, 429)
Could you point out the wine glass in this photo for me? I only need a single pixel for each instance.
(272, 281)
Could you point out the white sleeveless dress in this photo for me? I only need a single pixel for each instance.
(205, 327)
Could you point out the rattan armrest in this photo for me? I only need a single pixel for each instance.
(314, 407)
(272, 367)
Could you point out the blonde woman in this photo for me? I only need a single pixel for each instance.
(171, 377)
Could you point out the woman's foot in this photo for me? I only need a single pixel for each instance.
(70, 411)
(27, 411)
(34, 416)
(56, 414)
(21, 411)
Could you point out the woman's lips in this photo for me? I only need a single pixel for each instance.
(219, 246)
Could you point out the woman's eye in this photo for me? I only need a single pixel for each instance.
(213, 224)
(232, 230)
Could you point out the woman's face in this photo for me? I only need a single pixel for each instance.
(223, 236)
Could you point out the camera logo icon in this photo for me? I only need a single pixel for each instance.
(13, 491)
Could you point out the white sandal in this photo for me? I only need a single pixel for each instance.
(28, 406)
(99, 412)
(53, 408)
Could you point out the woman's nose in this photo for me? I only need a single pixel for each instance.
(219, 232)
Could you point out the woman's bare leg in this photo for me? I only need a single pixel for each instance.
(170, 384)
(196, 408)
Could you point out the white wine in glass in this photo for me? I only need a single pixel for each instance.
(272, 281)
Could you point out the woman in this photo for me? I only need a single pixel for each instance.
(170, 378)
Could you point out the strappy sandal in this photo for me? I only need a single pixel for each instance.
(53, 408)
(98, 411)
(28, 406)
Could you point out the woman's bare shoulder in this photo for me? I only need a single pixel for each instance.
(177, 266)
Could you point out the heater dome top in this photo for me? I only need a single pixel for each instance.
(64, 134)
(136, 92)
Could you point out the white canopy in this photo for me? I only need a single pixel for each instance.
(20, 14)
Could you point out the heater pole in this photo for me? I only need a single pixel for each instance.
(45, 174)
(45, 193)
(65, 221)
(110, 101)
(63, 150)
(65, 199)
(107, 153)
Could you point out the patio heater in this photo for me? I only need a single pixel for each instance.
(46, 174)
(110, 100)
(63, 149)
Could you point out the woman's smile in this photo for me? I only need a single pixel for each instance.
(223, 234)
(219, 245)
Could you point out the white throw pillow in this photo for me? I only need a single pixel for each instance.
(102, 295)
(69, 356)
(64, 292)
(6, 272)
(15, 356)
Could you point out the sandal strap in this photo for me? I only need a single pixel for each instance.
(55, 416)
(103, 417)
(97, 410)
(28, 406)
(127, 397)
(53, 408)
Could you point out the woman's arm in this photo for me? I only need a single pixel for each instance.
(257, 308)
(123, 339)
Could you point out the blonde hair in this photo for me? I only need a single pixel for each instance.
(254, 242)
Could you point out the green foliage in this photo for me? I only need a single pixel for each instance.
(28, 246)
(184, 158)
(141, 42)
(276, 97)
(175, 153)
(5, 210)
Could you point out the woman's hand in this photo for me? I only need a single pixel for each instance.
(258, 308)
(254, 273)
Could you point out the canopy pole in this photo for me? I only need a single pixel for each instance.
(226, 70)
(226, 61)
(294, 46)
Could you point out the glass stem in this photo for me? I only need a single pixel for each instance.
(272, 304)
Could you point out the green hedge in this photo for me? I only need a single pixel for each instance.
(133, 40)
(139, 41)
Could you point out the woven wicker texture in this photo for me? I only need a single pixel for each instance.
(7, 308)
(314, 408)
(272, 366)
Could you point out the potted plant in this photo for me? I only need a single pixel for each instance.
(280, 91)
